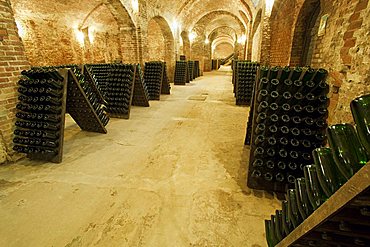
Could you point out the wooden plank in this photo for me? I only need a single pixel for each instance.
(357, 184)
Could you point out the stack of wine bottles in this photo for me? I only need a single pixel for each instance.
(100, 72)
(76, 102)
(141, 95)
(191, 70)
(120, 85)
(196, 69)
(245, 75)
(289, 121)
(153, 76)
(166, 87)
(348, 152)
(40, 116)
(181, 73)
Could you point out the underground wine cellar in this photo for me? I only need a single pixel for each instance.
(184, 123)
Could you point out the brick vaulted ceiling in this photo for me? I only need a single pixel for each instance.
(187, 12)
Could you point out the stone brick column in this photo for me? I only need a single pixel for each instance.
(12, 61)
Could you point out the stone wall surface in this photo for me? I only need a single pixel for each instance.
(343, 49)
(12, 61)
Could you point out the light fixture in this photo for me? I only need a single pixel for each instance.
(135, 5)
(206, 41)
(80, 36)
(21, 30)
(192, 36)
(269, 5)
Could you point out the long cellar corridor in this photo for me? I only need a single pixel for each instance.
(173, 175)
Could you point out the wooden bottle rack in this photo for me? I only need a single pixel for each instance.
(57, 158)
(140, 95)
(80, 108)
(345, 206)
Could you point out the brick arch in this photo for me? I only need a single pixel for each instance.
(222, 30)
(224, 47)
(303, 41)
(127, 36)
(208, 17)
(120, 13)
(161, 43)
(257, 22)
(185, 44)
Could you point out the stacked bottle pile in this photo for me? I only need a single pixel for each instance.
(76, 102)
(191, 70)
(245, 79)
(196, 69)
(100, 72)
(40, 113)
(349, 151)
(166, 87)
(120, 84)
(141, 95)
(181, 73)
(153, 76)
(289, 121)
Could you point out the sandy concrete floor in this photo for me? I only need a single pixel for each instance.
(172, 175)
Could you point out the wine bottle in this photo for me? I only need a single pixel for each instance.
(360, 108)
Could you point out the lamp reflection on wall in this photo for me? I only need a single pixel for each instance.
(192, 36)
(21, 30)
(80, 36)
(135, 5)
(91, 34)
(269, 5)
(175, 26)
(242, 39)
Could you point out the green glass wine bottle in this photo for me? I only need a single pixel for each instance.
(360, 108)
(349, 154)
(330, 178)
(313, 188)
(287, 225)
(268, 230)
(293, 213)
(303, 203)
(279, 232)
(273, 229)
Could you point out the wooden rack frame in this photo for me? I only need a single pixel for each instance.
(90, 121)
(127, 116)
(350, 195)
(59, 157)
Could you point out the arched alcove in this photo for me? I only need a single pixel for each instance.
(305, 33)
(160, 43)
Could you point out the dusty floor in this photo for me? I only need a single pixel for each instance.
(172, 175)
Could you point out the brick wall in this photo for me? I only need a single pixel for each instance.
(48, 42)
(12, 62)
(343, 49)
(223, 50)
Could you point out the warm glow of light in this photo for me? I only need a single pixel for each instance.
(80, 36)
(192, 36)
(269, 5)
(175, 26)
(21, 30)
(135, 5)
(206, 41)
(242, 39)
(91, 34)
